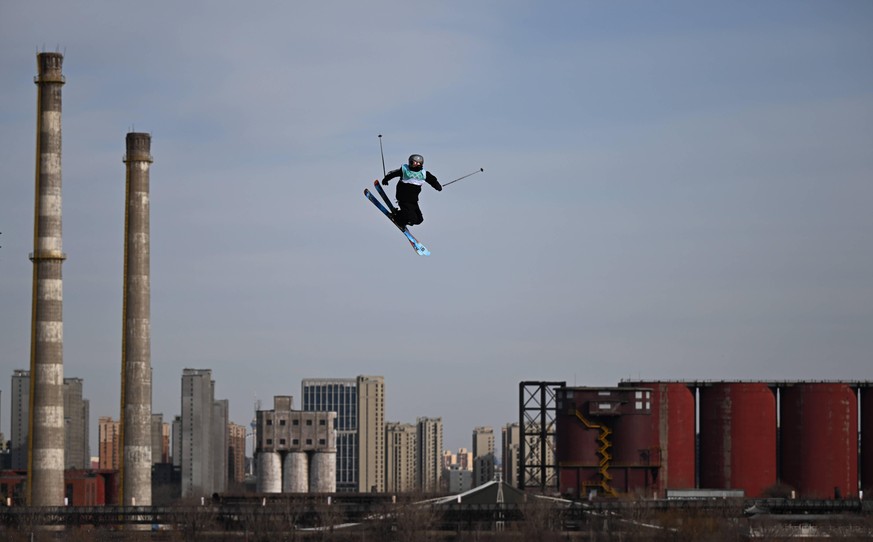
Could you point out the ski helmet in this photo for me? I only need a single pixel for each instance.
(416, 158)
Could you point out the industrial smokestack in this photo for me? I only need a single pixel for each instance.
(45, 458)
(136, 368)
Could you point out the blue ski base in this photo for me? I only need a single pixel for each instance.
(418, 247)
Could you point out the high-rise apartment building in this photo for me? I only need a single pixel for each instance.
(371, 434)
(176, 442)
(509, 453)
(203, 450)
(399, 457)
(77, 450)
(484, 461)
(428, 454)
(464, 459)
(483, 441)
(360, 407)
(19, 413)
(220, 421)
(236, 455)
(160, 439)
(109, 437)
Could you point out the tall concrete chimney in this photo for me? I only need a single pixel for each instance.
(45, 458)
(136, 364)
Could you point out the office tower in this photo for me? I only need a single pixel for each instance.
(428, 454)
(19, 412)
(509, 453)
(203, 450)
(371, 434)
(236, 455)
(483, 455)
(109, 437)
(77, 449)
(136, 363)
(399, 457)
(338, 395)
(45, 472)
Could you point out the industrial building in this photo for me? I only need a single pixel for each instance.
(296, 450)
(763, 438)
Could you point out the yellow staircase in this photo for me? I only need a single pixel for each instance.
(603, 452)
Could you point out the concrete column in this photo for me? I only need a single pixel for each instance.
(136, 392)
(295, 473)
(322, 472)
(46, 421)
(269, 479)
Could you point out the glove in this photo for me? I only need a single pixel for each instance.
(385, 182)
(438, 186)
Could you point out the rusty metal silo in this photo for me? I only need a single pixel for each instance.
(866, 395)
(672, 419)
(738, 437)
(820, 439)
(576, 445)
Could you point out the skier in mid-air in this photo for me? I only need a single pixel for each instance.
(412, 176)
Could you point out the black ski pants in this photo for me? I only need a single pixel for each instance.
(407, 199)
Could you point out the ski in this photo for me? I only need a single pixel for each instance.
(418, 247)
(385, 196)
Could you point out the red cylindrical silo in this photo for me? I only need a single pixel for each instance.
(867, 441)
(635, 451)
(673, 420)
(738, 437)
(820, 439)
(575, 445)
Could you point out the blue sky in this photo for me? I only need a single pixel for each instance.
(672, 190)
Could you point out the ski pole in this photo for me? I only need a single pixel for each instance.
(464, 177)
(383, 155)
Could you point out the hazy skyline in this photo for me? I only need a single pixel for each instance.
(672, 190)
